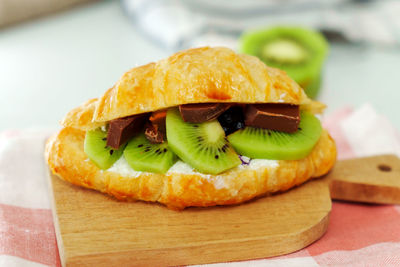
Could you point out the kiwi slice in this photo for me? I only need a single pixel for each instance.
(201, 145)
(95, 147)
(284, 51)
(298, 51)
(142, 155)
(260, 143)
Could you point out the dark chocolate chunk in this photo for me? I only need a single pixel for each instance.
(198, 113)
(273, 116)
(154, 134)
(122, 129)
(157, 118)
(155, 129)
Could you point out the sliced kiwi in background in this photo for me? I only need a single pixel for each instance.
(95, 147)
(284, 51)
(298, 51)
(142, 155)
(260, 143)
(201, 145)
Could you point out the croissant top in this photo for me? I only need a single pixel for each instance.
(197, 75)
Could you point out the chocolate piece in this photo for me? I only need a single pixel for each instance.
(153, 134)
(198, 113)
(273, 116)
(155, 130)
(157, 118)
(122, 129)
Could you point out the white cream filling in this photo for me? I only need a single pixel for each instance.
(122, 168)
(184, 168)
(261, 163)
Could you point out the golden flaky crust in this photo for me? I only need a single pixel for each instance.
(193, 76)
(66, 158)
(82, 117)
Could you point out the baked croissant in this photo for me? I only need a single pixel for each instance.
(201, 75)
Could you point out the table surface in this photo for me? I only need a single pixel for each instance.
(55, 63)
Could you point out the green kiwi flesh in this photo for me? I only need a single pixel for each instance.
(260, 143)
(142, 155)
(201, 145)
(284, 51)
(95, 147)
(298, 51)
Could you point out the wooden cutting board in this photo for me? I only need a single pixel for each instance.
(95, 230)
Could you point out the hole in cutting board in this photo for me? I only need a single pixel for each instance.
(384, 168)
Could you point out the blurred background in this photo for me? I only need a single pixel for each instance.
(55, 55)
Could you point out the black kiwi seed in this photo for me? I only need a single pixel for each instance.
(299, 129)
(216, 156)
(147, 150)
(104, 139)
(269, 133)
(158, 150)
(140, 145)
(200, 138)
(111, 152)
(195, 126)
(165, 150)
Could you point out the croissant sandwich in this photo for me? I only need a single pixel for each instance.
(204, 127)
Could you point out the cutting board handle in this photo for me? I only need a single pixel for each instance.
(373, 179)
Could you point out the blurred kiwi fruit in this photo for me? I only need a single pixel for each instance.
(298, 51)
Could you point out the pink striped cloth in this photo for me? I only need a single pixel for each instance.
(358, 235)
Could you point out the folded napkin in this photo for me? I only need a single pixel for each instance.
(358, 235)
